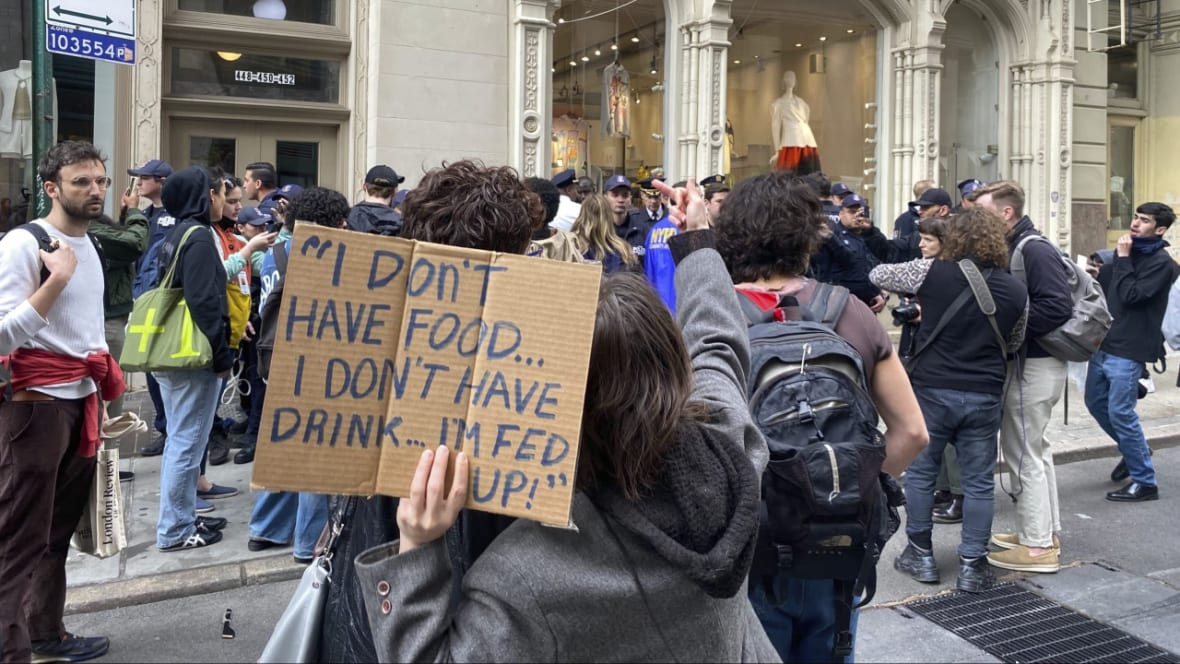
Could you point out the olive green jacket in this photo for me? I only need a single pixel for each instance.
(122, 245)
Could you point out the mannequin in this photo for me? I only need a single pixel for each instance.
(797, 149)
(16, 118)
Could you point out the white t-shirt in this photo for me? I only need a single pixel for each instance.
(76, 323)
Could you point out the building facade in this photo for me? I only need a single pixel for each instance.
(895, 91)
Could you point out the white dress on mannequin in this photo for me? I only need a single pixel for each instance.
(16, 118)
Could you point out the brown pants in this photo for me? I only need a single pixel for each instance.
(44, 486)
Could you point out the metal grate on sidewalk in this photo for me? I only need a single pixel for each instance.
(1019, 626)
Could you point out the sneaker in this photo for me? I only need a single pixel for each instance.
(1012, 540)
(217, 491)
(156, 448)
(194, 541)
(71, 648)
(203, 506)
(975, 575)
(1020, 559)
(262, 545)
(126, 475)
(918, 563)
(210, 524)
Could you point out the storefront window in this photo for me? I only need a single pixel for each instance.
(227, 74)
(1121, 162)
(608, 91)
(1122, 72)
(303, 11)
(16, 114)
(802, 94)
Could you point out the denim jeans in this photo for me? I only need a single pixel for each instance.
(971, 420)
(160, 423)
(191, 400)
(280, 516)
(802, 623)
(1112, 385)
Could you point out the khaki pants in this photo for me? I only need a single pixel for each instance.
(1027, 408)
(116, 332)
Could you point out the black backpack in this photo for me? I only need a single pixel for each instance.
(269, 312)
(827, 508)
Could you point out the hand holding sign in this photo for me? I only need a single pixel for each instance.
(430, 510)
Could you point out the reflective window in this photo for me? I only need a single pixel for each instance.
(229, 74)
(1122, 72)
(208, 151)
(298, 162)
(1121, 161)
(303, 11)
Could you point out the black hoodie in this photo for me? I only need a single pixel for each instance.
(199, 271)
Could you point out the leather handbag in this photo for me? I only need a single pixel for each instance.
(296, 637)
(161, 334)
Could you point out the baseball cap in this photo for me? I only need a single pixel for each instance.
(852, 200)
(383, 176)
(564, 178)
(156, 168)
(840, 189)
(969, 185)
(254, 217)
(615, 182)
(288, 191)
(933, 196)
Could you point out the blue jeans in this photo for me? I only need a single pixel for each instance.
(160, 423)
(802, 623)
(971, 420)
(191, 400)
(1112, 390)
(280, 516)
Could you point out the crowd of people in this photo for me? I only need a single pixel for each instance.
(668, 492)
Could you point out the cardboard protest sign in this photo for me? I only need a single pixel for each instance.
(387, 347)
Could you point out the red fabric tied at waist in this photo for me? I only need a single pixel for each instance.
(32, 368)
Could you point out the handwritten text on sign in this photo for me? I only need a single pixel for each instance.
(386, 347)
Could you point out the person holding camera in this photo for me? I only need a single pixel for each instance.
(958, 371)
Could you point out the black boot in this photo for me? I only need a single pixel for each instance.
(951, 512)
(218, 448)
(942, 497)
(975, 576)
(245, 455)
(156, 448)
(918, 563)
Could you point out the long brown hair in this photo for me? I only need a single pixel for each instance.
(977, 233)
(595, 231)
(637, 388)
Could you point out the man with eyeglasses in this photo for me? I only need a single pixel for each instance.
(52, 332)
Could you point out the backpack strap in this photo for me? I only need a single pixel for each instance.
(1016, 268)
(281, 265)
(44, 242)
(827, 303)
(983, 297)
(754, 314)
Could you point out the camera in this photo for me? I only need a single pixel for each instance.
(906, 312)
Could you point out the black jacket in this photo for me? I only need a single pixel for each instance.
(1136, 289)
(379, 218)
(199, 270)
(635, 232)
(1050, 300)
(844, 259)
(966, 355)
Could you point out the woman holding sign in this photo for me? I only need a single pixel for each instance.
(666, 509)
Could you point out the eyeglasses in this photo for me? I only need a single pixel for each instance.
(84, 183)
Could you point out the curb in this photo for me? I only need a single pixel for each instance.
(1104, 447)
(184, 583)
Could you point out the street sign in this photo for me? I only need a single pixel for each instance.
(86, 44)
(88, 29)
(113, 17)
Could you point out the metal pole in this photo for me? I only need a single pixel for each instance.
(42, 85)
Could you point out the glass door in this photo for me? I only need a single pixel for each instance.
(305, 155)
(227, 144)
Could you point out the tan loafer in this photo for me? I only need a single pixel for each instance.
(1012, 540)
(1020, 559)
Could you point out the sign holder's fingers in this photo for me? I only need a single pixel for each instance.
(458, 485)
(418, 484)
(436, 487)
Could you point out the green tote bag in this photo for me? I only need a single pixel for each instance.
(161, 334)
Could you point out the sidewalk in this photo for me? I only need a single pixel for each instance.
(141, 573)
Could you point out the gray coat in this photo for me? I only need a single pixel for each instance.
(599, 593)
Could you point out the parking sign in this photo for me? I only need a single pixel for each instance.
(85, 29)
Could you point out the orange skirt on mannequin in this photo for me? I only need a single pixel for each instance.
(798, 159)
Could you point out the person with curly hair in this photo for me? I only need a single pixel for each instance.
(595, 234)
(958, 372)
(768, 228)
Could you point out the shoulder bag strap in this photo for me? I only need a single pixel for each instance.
(947, 315)
(983, 297)
(827, 303)
(175, 259)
